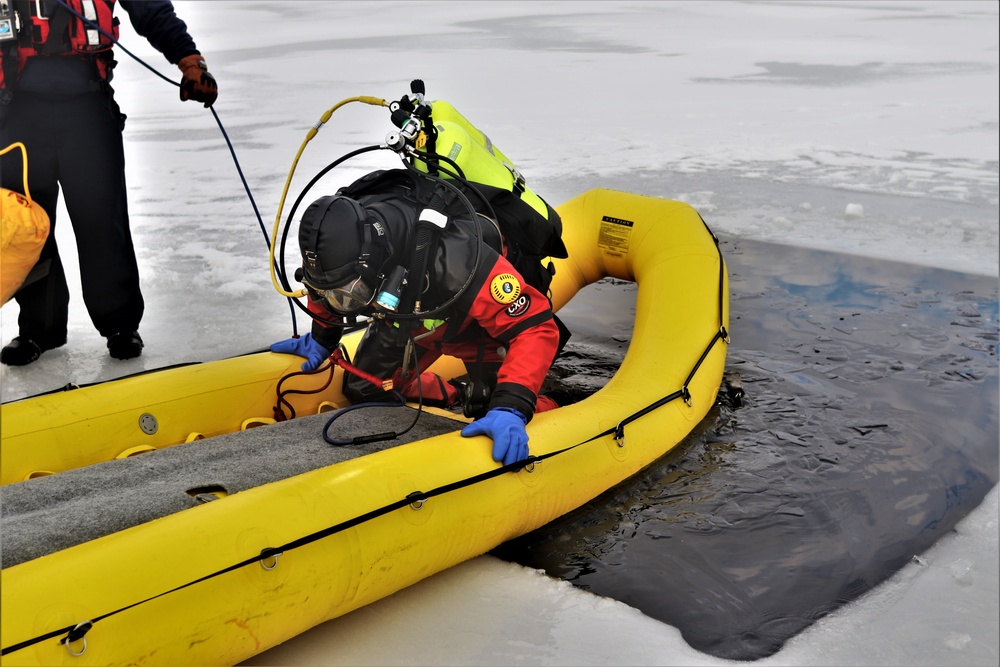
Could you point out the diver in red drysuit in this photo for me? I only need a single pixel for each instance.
(478, 308)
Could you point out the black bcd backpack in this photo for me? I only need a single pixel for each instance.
(529, 237)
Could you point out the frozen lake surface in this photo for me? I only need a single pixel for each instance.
(866, 129)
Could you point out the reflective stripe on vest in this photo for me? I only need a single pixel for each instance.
(80, 36)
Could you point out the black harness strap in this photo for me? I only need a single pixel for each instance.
(9, 72)
(58, 29)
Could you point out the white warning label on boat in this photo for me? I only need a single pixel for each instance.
(614, 234)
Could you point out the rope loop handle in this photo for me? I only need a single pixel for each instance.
(76, 634)
(24, 167)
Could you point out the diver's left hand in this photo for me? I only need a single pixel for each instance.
(506, 427)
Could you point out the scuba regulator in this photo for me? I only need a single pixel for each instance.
(398, 288)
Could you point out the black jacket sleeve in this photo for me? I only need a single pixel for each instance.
(159, 24)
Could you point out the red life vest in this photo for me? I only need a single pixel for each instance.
(64, 33)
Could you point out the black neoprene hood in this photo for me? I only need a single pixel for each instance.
(331, 237)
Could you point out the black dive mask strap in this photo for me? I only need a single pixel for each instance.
(362, 266)
(311, 257)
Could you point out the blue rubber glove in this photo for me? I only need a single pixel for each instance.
(304, 346)
(506, 427)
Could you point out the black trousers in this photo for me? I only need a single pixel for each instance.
(75, 144)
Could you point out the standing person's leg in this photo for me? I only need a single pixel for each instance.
(92, 174)
(43, 299)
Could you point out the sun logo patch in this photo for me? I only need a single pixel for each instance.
(505, 288)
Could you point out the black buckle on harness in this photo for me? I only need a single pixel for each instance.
(40, 9)
(519, 186)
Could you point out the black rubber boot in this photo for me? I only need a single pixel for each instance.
(20, 352)
(125, 345)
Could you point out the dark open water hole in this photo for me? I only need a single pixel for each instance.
(868, 428)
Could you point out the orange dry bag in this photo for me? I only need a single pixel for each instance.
(25, 228)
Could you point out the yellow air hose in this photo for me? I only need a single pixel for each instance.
(374, 101)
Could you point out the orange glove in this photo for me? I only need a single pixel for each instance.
(197, 83)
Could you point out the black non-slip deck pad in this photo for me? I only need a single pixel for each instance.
(48, 514)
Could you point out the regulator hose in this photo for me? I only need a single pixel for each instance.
(313, 131)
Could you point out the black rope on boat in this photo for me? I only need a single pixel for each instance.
(719, 335)
(74, 631)
(723, 333)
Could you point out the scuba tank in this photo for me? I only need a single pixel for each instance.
(440, 141)
(480, 160)
(437, 142)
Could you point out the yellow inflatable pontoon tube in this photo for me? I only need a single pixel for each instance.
(223, 581)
